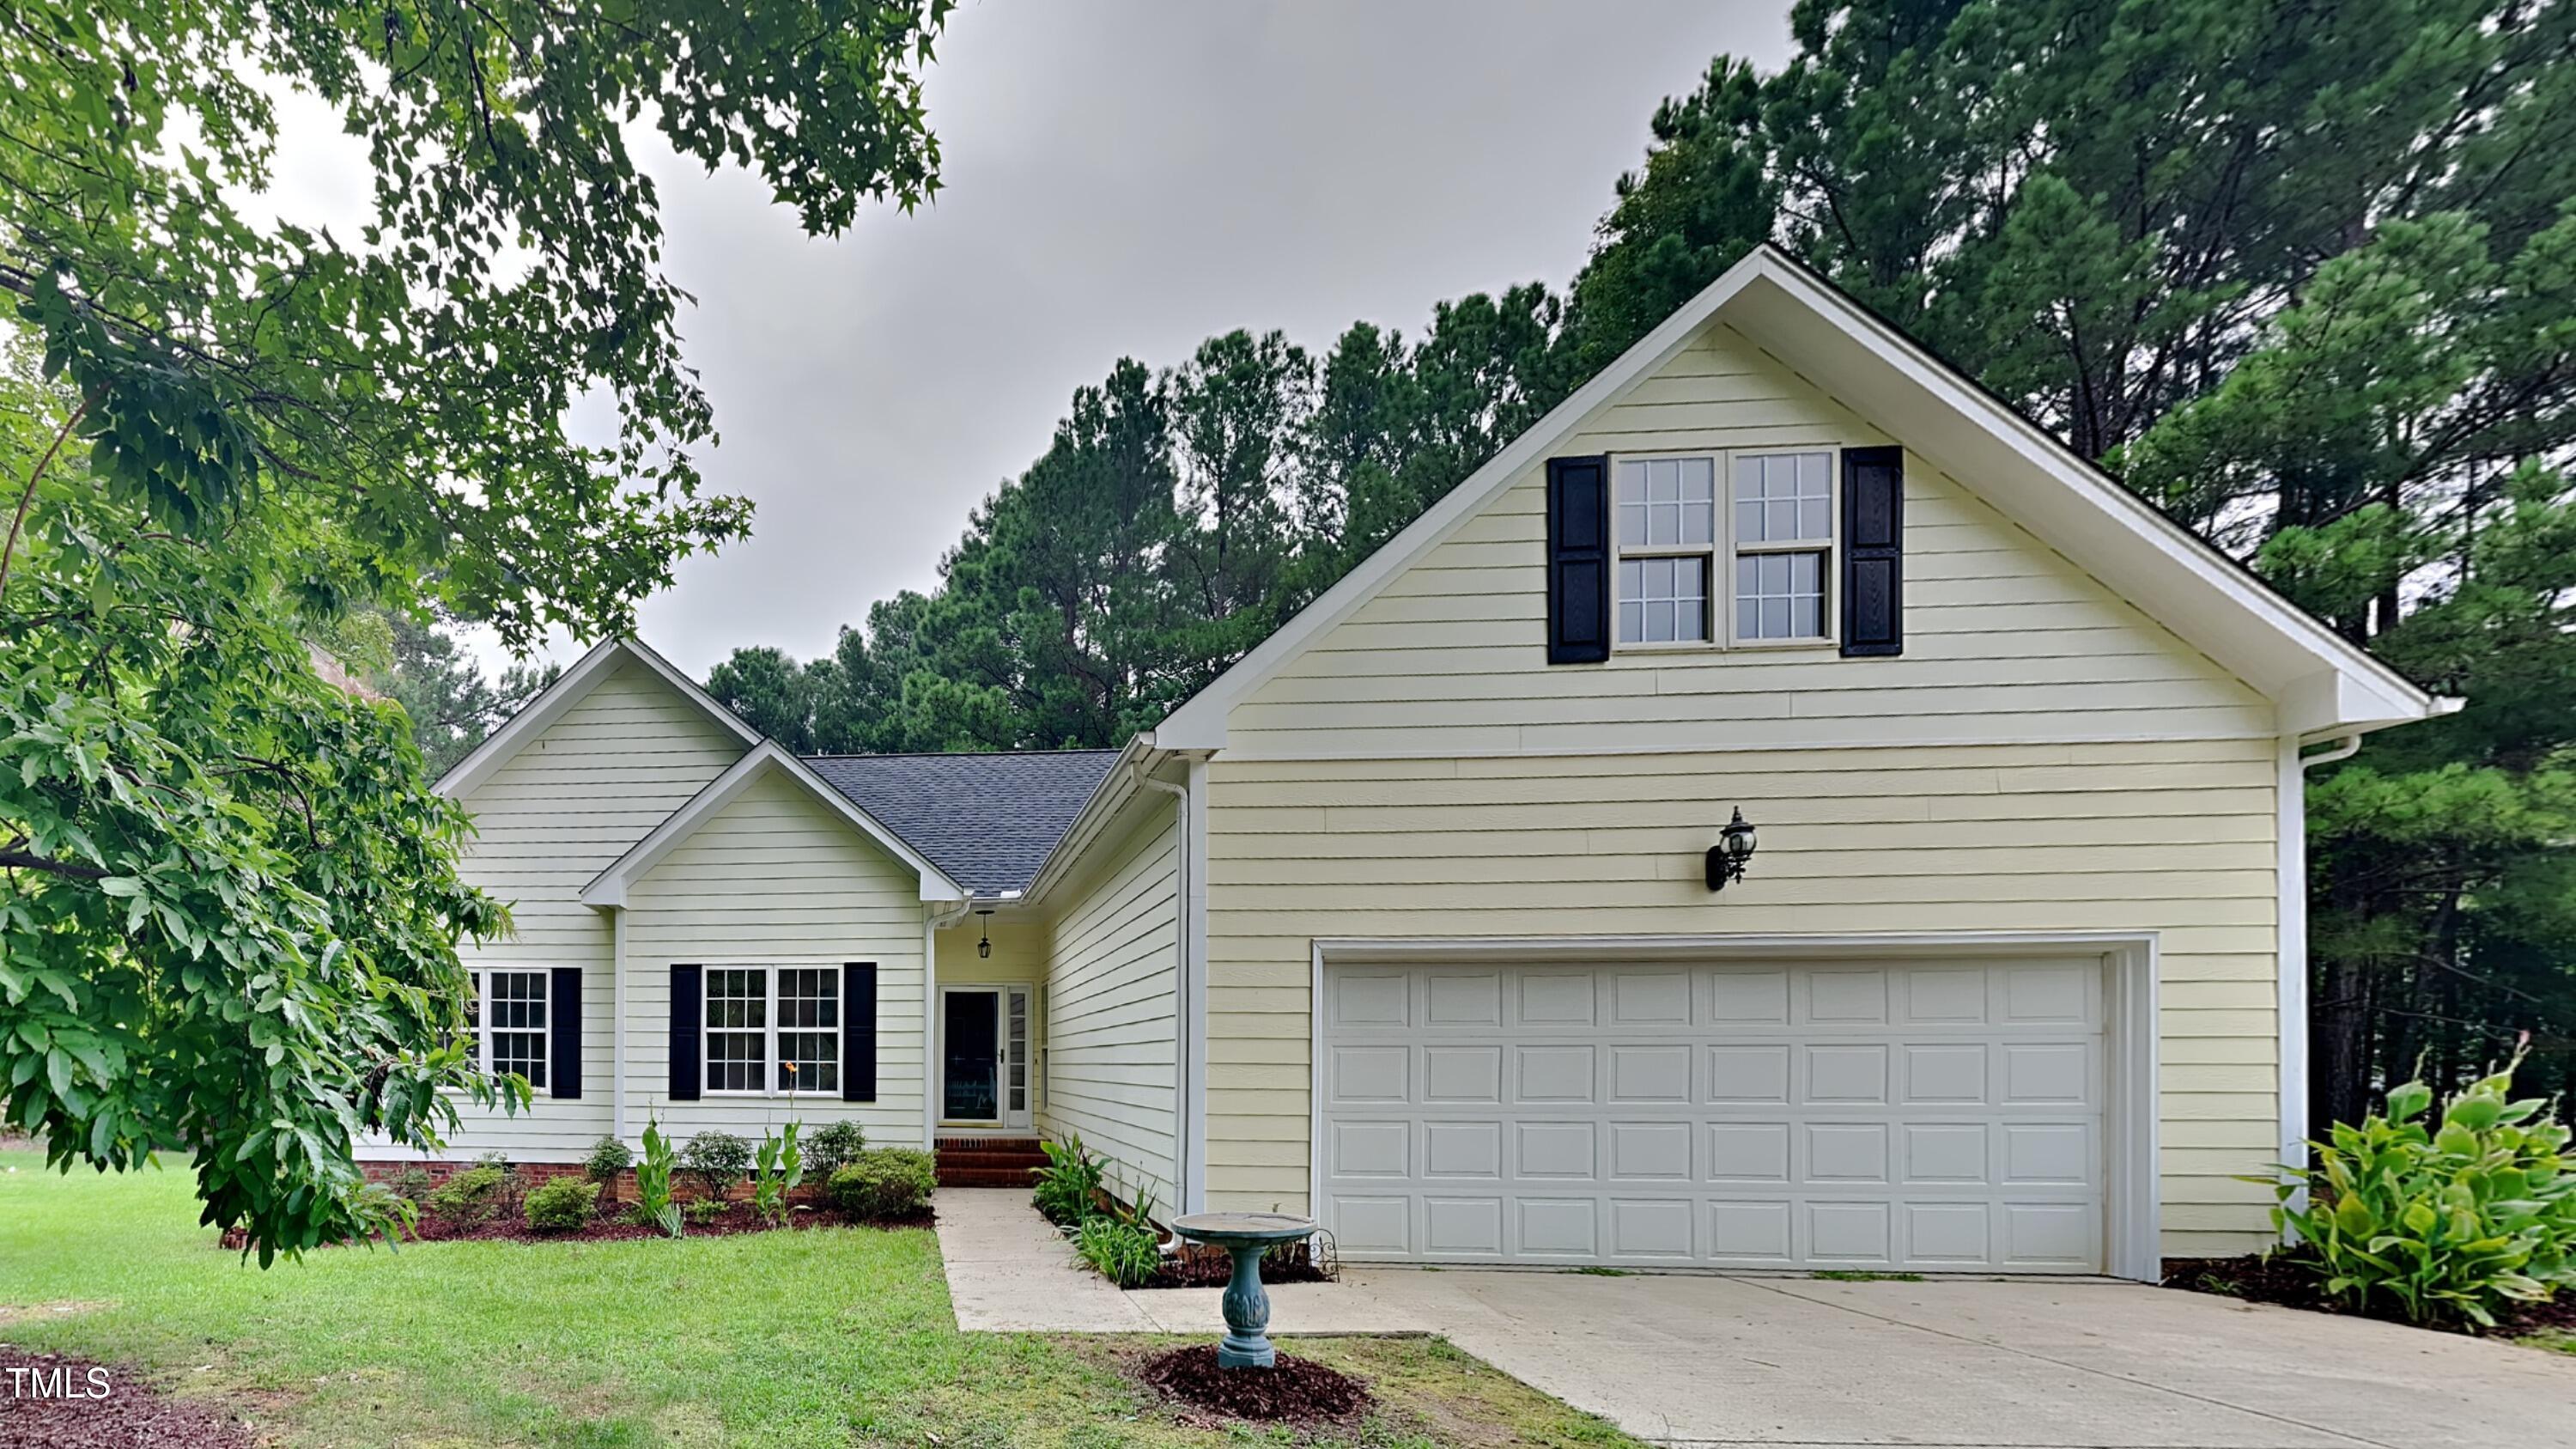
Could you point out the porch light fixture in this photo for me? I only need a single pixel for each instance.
(1734, 847)
(984, 947)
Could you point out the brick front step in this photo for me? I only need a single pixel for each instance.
(982, 1177)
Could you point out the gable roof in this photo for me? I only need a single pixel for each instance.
(574, 686)
(2322, 683)
(610, 886)
(990, 821)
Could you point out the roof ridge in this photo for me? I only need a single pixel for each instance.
(959, 754)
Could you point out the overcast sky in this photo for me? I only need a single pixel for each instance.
(1127, 179)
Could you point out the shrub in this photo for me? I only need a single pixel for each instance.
(780, 1169)
(561, 1204)
(704, 1209)
(2452, 1221)
(653, 1181)
(470, 1196)
(510, 1186)
(608, 1158)
(889, 1182)
(1126, 1254)
(836, 1146)
(413, 1184)
(1068, 1186)
(717, 1160)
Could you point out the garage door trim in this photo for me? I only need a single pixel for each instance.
(2130, 1202)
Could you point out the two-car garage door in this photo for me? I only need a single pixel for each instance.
(1934, 1114)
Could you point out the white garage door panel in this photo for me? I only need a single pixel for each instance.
(1901, 1115)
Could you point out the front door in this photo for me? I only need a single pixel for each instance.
(984, 1055)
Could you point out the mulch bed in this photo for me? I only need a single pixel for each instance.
(737, 1218)
(1200, 1266)
(1297, 1391)
(39, 1408)
(2281, 1279)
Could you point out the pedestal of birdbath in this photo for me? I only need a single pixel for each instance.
(1245, 1237)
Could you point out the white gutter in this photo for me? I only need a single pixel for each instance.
(2291, 1003)
(1189, 1045)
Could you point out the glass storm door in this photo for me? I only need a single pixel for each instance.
(971, 1060)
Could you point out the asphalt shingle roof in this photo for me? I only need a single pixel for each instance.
(987, 820)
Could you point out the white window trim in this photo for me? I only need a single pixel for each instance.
(479, 983)
(769, 968)
(1723, 549)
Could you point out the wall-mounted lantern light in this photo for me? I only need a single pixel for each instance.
(984, 947)
(1734, 847)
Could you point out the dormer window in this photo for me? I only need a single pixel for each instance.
(1770, 544)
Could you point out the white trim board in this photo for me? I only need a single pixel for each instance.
(2178, 579)
(575, 685)
(2132, 1189)
(610, 886)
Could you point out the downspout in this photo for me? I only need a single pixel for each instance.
(2291, 825)
(1189, 1054)
(933, 918)
(617, 1026)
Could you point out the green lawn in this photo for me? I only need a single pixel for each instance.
(831, 1337)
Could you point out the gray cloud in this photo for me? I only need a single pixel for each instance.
(1126, 179)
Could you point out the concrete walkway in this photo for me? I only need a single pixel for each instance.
(1010, 1272)
(1707, 1361)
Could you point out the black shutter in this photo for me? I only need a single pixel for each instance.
(688, 1013)
(1578, 560)
(1873, 551)
(564, 1017)
(859, 1032)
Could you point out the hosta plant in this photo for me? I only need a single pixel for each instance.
(2450, 1220)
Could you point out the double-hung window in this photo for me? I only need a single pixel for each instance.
(1751, 568)
(506, 1019)
(773, 1029)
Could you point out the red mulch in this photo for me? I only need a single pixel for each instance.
(2280, 1278)
(1297, 1391)
(1200, 1266)
(36, 1408)
(735, 1219)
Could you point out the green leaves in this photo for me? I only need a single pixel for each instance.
(2451, 1224)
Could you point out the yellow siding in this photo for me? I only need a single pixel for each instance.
(2042, 757)
(2005, 639)
(567, 805)
(1112, 984)
(777, 878)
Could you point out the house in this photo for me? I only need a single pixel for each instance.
(1411, 921)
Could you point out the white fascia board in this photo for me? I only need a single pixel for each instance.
(575, 685)
(1887, 378)
(611, 886)
(2176, 577)
(1199, 724)
(1107, 798)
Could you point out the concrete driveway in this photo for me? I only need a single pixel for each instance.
(1978, 1365)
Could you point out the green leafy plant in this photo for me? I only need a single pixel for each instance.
(2451, 1221)
(471, 1196)
(561, 1204)
(413, 1184)
(703, 1209)
(1067, 1188)
(834, 1146)
(1125, 1253)
(653, 1181)
(886, 1182)
(717, 1159)
(780, 1170)
(608, 1159)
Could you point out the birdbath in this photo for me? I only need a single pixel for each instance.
(1244, 1236)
